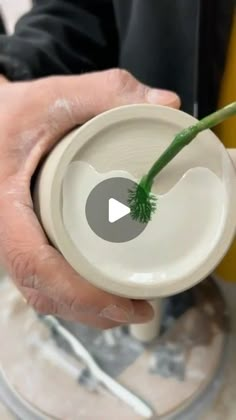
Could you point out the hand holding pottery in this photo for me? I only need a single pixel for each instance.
(34, 117)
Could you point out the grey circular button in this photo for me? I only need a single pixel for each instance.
(107, 211)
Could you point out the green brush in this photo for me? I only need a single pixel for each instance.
(141, 201)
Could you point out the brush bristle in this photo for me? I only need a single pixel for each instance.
(142, 204)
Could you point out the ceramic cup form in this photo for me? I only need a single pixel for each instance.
(195, 220)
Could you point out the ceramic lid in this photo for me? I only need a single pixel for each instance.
(130, 139)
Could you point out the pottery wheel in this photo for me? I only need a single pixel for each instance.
(171, 374)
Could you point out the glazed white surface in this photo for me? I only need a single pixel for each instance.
(184, 230)
(129, 139)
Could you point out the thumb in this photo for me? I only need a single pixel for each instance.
(127, 89)
(76, 99)
(72, 100)
(122, 89)
(91, 94)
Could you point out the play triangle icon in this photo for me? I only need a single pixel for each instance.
(116, 210)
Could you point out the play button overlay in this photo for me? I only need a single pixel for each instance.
(116, 210)
(108, 212)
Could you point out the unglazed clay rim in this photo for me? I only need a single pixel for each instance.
(49, 205)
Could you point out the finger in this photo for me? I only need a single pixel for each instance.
(79, 98)
(60, 104)
(33, 263)
(76, 99)
(82, 298)
(46, 306)
(91, 94)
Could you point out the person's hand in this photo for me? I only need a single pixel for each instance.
(33, 117)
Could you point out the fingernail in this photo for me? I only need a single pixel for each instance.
(117, 314)
(162, 97)
(143, 312)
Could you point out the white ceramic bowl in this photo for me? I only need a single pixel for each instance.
(131, 138)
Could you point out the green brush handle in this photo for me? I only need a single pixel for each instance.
(183, 139)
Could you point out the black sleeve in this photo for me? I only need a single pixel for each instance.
(60, 37)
